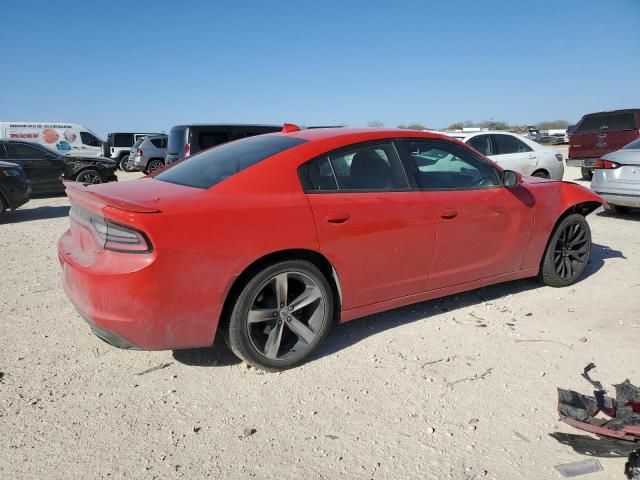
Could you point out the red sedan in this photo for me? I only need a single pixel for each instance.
(269, 240)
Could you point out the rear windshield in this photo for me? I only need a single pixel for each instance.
(138, 143)
(212, 166)
(635, 145)
(176, 140)
(607, 123)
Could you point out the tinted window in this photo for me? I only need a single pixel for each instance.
(159, 142)
(237, 134)
(92, 141)
(508, 144)
(176, 140)
(482, 143)
(369, 167)
(442, 165)
(622, 121)
(206, 169)
(211, 139)
(605, 123)
(121, 140)
(21, 151)
(635, 145)
(3, 153)
(320, 175)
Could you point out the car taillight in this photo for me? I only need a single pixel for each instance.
(559, 156)
(187, 150)
(111, 235)
(139, 152)
(605, 164)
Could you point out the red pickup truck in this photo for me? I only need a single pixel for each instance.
(600, 133)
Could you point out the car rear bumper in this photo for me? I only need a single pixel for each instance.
(165, 300)
(581, 162)
(632, 201)
(140, 163)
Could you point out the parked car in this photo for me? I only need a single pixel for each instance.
(45, 168)
(267, 240)
(555, 139)
(616, 178)
(600, 133)
(516, 152)
(119, 145)
(148, 153)
(66, 138)
(15, 188)
(187, 140)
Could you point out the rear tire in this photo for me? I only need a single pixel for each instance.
(154, 165)
(3, 207)
(567, 252)
(126, 164)
(587, 173)
(91, 177)
(281, 315)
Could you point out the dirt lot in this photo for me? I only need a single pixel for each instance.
(463, 387)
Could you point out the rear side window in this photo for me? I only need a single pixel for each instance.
(211, 139)
(508, 144)
(159, 142)
(206, 169)
(177, 140)
(120, 140)
(635, 145)
(482, 143)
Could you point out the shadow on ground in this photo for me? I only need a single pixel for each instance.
(595, 446)
(632, 215)
(37, 213)
(348, 334)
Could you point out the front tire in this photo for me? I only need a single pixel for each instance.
(567, 253)
(281, 316)
(3, 208)
(91, 177)
(126, 163)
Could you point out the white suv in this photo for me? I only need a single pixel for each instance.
(120, 144)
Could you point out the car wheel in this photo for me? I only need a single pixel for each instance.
(3, 207)
(540, 174)
(587, 173)
(126, 163)
(155, 165)
(89, 176)
(619, 209)
(281, 315)
(567, 252)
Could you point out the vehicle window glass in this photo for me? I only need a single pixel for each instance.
(157, 142)
(211, 139)
(509, 144)
(621, 121)
(237, 134)
(607, 123)
(176, 140)
(120, 140)
(137, 144)
(92, 141)
(3, 152)
(321, 175)
(369, 167)
(482, 143)
(210, 167)
(635, 145)
(22, 151)
(443, 165)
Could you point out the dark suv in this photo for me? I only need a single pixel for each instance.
(14, 187)
(45, 168)
(600, 133)
(186, 140)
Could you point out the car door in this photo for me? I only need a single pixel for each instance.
(513, 154)
(42, 168)
(482, 229)
(370, 224)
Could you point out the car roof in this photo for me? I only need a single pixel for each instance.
(314, 134)
(225, 125)
(626, 110)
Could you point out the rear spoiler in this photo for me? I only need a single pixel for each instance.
(75, 189)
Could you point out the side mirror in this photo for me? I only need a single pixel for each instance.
(511, 179)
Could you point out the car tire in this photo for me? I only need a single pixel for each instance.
(154, 165)
(567, 252)
(3, 207)
(126, 164)
(587, 173)
(281, 315)
(618, 209)
(90, 176)
(540, 174)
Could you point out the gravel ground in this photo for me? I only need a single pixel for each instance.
(463, 387)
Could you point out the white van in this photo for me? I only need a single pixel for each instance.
(67, 138)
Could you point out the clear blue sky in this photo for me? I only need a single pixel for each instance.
(128, 65)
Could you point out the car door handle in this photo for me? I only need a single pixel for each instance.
(449, 214)
(532, 156)
(337, 217)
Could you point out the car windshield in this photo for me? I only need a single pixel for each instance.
(635, 145)
(212, 166)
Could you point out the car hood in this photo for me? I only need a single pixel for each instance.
(103, 160)
(624, 156)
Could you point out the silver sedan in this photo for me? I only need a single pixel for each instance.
(616, 178)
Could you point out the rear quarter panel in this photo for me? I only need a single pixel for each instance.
(552, 200)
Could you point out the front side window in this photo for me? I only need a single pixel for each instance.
(369, 167)
(210, 167)
(446, 166)
(91, 140)
(506, 144)
(482, 143)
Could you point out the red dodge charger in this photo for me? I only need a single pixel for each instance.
(271, 239)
